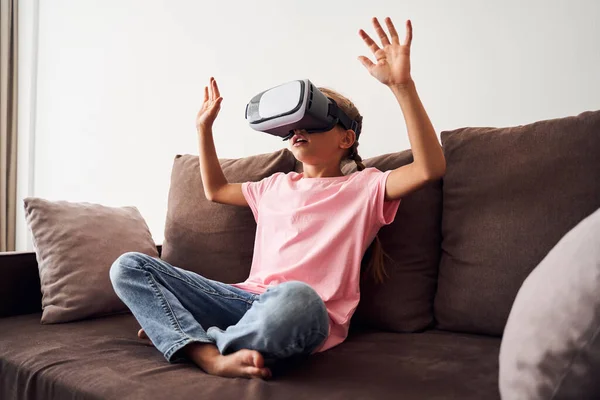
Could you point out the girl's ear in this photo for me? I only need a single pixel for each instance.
(348, 139)
(351, 136)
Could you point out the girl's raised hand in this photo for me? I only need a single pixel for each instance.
(211, 106)
(393, 60)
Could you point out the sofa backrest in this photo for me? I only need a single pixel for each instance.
(509, 195)
(460, 247)
(217, 240)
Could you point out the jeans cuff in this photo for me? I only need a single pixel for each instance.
(169, 354)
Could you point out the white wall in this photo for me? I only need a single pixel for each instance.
(119, 82)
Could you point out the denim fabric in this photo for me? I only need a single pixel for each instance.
(176, 307)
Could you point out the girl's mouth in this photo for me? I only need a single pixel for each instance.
(300, 142)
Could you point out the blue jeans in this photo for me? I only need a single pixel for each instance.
(176, 307)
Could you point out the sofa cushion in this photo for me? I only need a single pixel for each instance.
(75, 245)
(551, 344)
(510, 194)
(102, 358)
(212, 239)
(404, 301)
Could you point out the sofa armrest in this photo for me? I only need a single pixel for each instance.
(20, 289)
(19, 284)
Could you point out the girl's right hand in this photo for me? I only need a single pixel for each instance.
(210, 108)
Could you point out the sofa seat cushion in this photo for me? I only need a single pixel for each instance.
(103, 358)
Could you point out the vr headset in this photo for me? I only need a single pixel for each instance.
(295, 105)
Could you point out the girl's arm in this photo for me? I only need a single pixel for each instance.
(216, 186)
(393, 70)
(426, 149)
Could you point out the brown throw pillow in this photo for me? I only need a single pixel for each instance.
(75, 245)
(510, 194)
(551, 344)
(404, 301)
(212, 239)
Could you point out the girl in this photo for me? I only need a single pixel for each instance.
(313, 228)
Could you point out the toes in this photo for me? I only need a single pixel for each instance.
(258, 359)
(253, 372)
(252, 357)
(266, 373)
(142, 335)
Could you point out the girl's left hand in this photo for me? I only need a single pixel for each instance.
(393, 60)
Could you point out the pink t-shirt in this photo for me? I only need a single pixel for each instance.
(316, 230)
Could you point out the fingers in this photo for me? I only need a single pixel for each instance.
(213, 90)
(366, 62)
(380, 32)
(392, 29)
(217, 93)
(383, 36)
(212, 94)
(372, 45)
(409, 33)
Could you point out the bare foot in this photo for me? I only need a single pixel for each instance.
(243, 363)
(142, 335)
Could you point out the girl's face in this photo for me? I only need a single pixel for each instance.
(322, 147)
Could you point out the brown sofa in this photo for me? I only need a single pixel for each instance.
(460, 249)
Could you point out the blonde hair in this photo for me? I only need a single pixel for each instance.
(376, 261)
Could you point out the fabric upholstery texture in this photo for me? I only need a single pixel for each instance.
(460, 249)
(509, 195)
(103, 358)
(75, 244)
